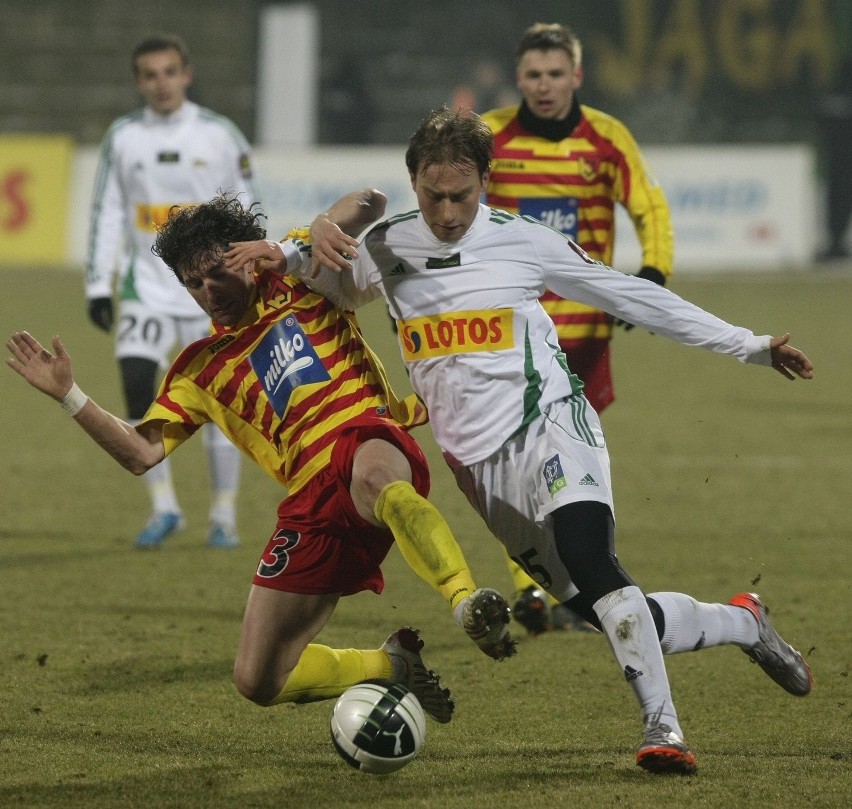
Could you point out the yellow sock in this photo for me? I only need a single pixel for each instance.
(322, 673)
(425, 540)
(521, 580)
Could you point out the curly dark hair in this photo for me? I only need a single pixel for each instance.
(192, 234)
(453, 138)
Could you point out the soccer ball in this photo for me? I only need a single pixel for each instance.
(378, 727)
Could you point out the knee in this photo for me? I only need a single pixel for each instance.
(376, 464)
(258, 687)
(369, 481)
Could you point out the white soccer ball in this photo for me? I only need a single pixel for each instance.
(378, 727)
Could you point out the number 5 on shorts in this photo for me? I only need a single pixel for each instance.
(535, 571)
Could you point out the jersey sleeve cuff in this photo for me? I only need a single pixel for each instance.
(757, 350)
(293, 256)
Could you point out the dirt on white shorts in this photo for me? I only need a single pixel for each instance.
(561, 458)
(144, 332)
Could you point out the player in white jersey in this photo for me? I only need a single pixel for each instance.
(171, 152)
(463, 281)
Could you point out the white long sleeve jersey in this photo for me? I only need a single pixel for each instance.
(480, 349)
(149, 163)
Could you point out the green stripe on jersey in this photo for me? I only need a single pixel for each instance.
(578, 417)
(499, 217)
(395, 220)
(532, 392)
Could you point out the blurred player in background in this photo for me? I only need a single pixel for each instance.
(171, 152)
(568, 165)
(463, 281)
(834, 118)
(288, 378)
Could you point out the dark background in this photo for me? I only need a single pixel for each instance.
(676, 71)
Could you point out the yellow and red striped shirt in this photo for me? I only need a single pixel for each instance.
(573, 185)
(279, 384)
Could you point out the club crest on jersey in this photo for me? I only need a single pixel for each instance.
(589, 168)
(284, 360)
(557, 213)
(554, 477)
(456, 333)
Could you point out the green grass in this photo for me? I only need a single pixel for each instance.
(115, 665)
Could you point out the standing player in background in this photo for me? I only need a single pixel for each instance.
(171, 152)
(568, 165)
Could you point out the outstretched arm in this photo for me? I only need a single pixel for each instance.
(344, 220)
(51, 374)
(788, 360)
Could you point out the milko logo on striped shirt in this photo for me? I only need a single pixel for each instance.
(284, 360)
(559, 214)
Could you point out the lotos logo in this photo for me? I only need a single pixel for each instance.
(456, 333)
(284, 360)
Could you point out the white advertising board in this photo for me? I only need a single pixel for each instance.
(733, 208)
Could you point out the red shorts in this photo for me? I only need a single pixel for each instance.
(589, 359)
(321, 544)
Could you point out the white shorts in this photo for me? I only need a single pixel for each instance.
(144, 332)
(560, 458)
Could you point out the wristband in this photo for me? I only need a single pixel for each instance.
(73, 401)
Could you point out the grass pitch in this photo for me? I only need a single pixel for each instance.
(115, 664)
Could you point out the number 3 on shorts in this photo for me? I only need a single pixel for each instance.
(277, 555)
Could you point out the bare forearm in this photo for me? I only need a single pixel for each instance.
(119, 439)
(355, 211)
(51, 374)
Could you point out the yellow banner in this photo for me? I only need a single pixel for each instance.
(456, 333)
(34, 183)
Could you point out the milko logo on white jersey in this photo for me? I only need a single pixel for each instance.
(285, 359)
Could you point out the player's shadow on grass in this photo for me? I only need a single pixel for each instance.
(144, 674)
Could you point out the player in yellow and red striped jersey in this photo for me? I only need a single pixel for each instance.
(568, 165)
(287, 377)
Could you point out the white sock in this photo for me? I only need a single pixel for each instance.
(629, 627)
(692, 625)
(223, 460)
(458, 611)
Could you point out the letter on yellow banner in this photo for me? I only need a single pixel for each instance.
(34, 185)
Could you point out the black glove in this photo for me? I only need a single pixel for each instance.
(651, 274)
(100, 313)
